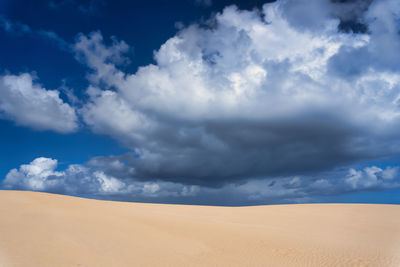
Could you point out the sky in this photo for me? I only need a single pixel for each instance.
(202, 101)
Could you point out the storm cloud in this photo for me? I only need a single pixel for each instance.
(250, 96)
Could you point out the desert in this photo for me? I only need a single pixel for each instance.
(41, 229)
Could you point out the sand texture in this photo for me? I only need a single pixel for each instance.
(38, 229)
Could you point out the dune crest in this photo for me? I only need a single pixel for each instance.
(39, 229)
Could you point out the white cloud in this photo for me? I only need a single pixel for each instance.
(35, 176)
(41, 175)
(101, 59)
(28, 104)
(373, 177)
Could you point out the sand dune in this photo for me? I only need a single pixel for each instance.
(38, 229)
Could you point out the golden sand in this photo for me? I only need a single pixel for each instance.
(38, 229)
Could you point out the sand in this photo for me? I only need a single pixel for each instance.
(38, 229)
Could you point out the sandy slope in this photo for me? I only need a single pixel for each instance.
(39, 229)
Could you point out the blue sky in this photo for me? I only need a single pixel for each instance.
(200, 101)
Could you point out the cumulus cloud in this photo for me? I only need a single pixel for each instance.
(41, 175)
(102, 59)
(253, 96)
(372, 177)
(29, 104)
(25, 101)
(102, 179)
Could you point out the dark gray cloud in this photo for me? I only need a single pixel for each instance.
(92, 180)
(251, 149)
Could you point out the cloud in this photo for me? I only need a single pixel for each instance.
(271, 105)
(252, 97)
(371, 177)
(41, 175)
(382, 20)
(91, 50)
(313, 14)
(29, 104)
(94, 179)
